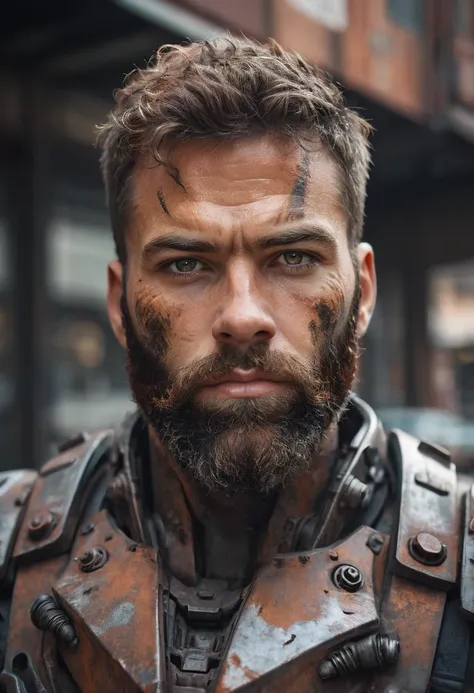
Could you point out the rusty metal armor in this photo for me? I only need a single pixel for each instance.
(372, 591)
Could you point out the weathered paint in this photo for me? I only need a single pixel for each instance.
(121, 615)
(295, 612)
(423, 509)
(116, 612)
(259, 642)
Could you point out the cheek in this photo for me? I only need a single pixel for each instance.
(329, 311)
(150, 313)
(324, 312)
(189, 336)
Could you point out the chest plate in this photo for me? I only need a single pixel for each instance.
(298, 609)
(306, 615)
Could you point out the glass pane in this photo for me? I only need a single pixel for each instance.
(451, 329)
(88, 386)
(408, 14)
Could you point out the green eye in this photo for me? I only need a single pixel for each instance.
(293, 258)
(185, 265)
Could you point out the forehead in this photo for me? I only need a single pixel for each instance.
(251, 181)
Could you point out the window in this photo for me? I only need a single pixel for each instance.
(408, 14)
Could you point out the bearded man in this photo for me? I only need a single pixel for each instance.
(251, 527)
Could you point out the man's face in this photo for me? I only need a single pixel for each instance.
(241, 307)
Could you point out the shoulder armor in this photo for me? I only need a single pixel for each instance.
(467, 565)
(427, 539)
(15, 488)
(60, 496)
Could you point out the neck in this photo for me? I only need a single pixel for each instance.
(215, 535)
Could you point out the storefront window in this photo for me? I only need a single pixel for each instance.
(88, 383)
(408, 14)
(451, 329)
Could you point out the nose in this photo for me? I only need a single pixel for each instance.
(243, 321)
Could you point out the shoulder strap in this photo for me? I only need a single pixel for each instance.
(60, 495)
(424, 567)
(427, 537)
(15, 489)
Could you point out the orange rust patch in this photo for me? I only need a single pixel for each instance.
(236, 659)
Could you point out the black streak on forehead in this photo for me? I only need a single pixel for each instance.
(163, 204)
(174, 173)
(298, 194)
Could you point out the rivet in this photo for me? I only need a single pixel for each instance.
(375, 543)
(471, 526)
(40, 525)
(333, 555)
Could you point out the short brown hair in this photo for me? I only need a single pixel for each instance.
(229, 88)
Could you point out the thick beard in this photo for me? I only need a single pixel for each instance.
(242, 445)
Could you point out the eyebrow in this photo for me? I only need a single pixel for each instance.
(282, 238)
(177, 242)
(299, 235)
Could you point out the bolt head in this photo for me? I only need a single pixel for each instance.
(428, 548)
(93, 559)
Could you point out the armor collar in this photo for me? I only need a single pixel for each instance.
(332, 497)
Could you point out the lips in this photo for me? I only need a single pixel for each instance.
(240, 384)
(241, 376)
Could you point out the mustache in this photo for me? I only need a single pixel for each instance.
(185, 381)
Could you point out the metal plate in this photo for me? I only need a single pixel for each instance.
(31, 581)
(60, 492)
(295, 614)
(15, 488)
(467, 565)
(428, 504)
(414, 612)
(117, 615)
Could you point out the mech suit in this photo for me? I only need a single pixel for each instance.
(373, 590)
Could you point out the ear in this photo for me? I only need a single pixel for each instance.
(368, 287)
(115, 289)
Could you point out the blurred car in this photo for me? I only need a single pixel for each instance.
(451, 431)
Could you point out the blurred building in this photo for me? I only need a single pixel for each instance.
(407, 64)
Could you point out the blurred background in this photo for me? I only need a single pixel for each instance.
(408, 65)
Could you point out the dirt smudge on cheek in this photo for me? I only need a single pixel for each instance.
(154, 322)
(327, 315)
(329, 310)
